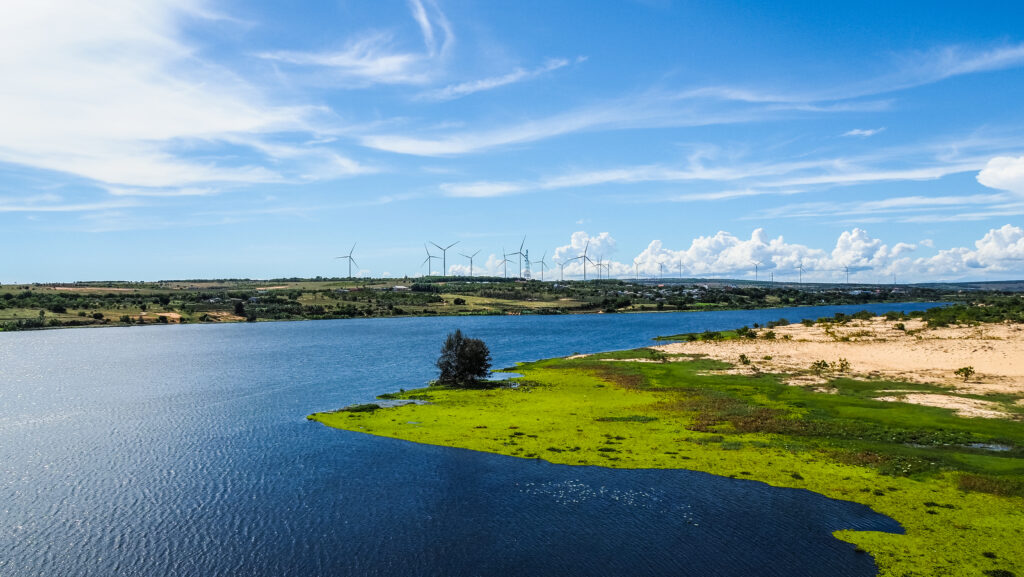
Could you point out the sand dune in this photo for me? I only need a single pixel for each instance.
(877, 349)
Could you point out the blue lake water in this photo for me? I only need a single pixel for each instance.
(184, 451)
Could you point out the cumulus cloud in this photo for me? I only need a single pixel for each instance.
(855, 252)
(1004, 173)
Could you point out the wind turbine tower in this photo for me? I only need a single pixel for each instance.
(543, 265)
(470, 257)
(756, 264)
(584, 258)
(444, 256)
(504, 261)
(350, 259)
(428, 259)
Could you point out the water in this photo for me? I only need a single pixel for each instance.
(184, 450)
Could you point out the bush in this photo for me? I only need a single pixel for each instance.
(820, 366)
(965, 372)
(463, 361)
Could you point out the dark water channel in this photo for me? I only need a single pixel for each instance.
(184, 451)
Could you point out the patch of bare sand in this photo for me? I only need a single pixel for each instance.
(170, 316)
(876, 349)
(963, 406)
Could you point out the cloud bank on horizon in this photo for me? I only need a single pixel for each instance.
(143, 139)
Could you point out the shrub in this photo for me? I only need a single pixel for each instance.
(842, 365)
(965, 372)
(744, 359)
(819, 366)
(363, 408)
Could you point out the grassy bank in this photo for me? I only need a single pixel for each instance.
(962, 507)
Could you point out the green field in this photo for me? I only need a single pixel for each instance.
(961, 503)
(25, 307)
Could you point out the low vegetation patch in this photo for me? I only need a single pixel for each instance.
(962, 505)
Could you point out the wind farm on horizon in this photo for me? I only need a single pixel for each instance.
(587, 266)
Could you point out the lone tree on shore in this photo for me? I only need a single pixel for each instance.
(463, 361)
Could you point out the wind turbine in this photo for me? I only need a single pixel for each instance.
(584, 258)
(504, 261)
(350, 259)
(636, 269)
(543, 265)
(847, 269)
(444, 256)
(427, 260)
(680, 268)
(600, 268)
(661, 270)
(800, 267)
(470, 257)
(756, 264)
(561, 271)
(521, 255)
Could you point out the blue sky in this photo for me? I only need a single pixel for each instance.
(146, 140)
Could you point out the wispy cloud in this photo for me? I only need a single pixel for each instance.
(863, 132)
(59, 205)
(755, 178)
(906, 70)
(375, 57)
(644, 111)
(121, 97)
(454, 91)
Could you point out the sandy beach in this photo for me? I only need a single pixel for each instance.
(879, 349)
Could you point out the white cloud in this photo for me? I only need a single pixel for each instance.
(1004, 173)
(113, 92)
(726, 255)
(863, 132)
(454, 91)
(373, 57)
(640, 111)
(757, 178)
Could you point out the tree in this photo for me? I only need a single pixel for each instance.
(463, 360)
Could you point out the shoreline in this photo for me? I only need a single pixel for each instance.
(178, 317)
(934, 472)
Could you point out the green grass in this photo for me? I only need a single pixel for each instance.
(894, 457)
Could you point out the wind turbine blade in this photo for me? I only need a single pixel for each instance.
(437, 245)
(353, 248)
(354, 262)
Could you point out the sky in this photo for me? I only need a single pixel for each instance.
(149, 140)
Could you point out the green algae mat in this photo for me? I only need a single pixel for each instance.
(955, 484)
